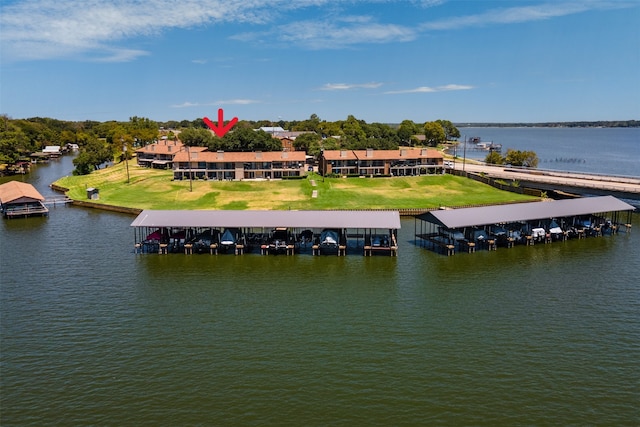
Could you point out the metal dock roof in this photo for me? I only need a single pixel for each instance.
(270, 219)
(468, 217)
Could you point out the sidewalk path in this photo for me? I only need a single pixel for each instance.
(630, 185)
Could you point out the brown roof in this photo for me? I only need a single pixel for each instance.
(166, 147)
(14, 190)
(339, 155)
(402, 153)
(237, 156)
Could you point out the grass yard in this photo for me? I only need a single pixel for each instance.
(155, 189)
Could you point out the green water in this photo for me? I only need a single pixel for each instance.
(93, 334)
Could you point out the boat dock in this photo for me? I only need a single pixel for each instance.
(21, 200)
(267, 232)
(465, 230)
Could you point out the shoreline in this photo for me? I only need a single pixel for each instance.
(402, 211)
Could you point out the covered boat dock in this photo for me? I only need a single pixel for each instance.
(266, 232)
(19, 199)
(451, 230)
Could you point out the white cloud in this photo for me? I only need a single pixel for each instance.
(345, 86)
(237, 102)
(519, 14)
(188, 104)
(104, 30)
(428, 89)
(42, 29)
(337, 33)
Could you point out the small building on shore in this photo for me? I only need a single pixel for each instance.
(19, 199)
(53, 151)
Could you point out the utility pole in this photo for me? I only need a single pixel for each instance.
(464, 158)
(126, 158)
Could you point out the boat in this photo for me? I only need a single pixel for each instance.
(380, 241)
(538, 234)
(279, 241)
(329, 241)
(306, 237)
(202, 242)
(229, 239)
(555, 231)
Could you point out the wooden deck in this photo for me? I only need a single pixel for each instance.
(13, 211)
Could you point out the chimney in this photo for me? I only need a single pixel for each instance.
(220, 155)
(369, 152)
(169, 148)
(258, 154)
(403, 152)
(423, 152)
(153, 147)
(343, 153)
(285, 155)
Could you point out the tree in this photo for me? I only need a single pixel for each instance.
(330, 144)
(450, 130)
(494, 158)
(308, 142)
(94, 153)
(407, 129)
(329, 129)
(381, 136)
(521, 158)
(434, 133)
(247, 139)
(121, 142)
(310, 124)
(196, 137)
(143, 130)
(13, 142)
(353, 132)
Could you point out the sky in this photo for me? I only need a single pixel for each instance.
(381, 61)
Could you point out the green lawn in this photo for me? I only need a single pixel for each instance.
(155, 189)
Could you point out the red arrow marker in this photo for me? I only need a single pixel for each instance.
(220, 129)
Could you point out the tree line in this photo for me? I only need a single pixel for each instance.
(350, 134)
(102, 142)
(579, 124)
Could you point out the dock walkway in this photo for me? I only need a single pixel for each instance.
(620, 186)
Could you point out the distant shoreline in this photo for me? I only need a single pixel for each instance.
(595, 124)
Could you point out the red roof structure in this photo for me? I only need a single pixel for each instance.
(18, 192)
(19, 199)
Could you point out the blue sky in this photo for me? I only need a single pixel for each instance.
(382, 61)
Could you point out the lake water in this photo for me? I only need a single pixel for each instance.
(613, 151)
(92, 334)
